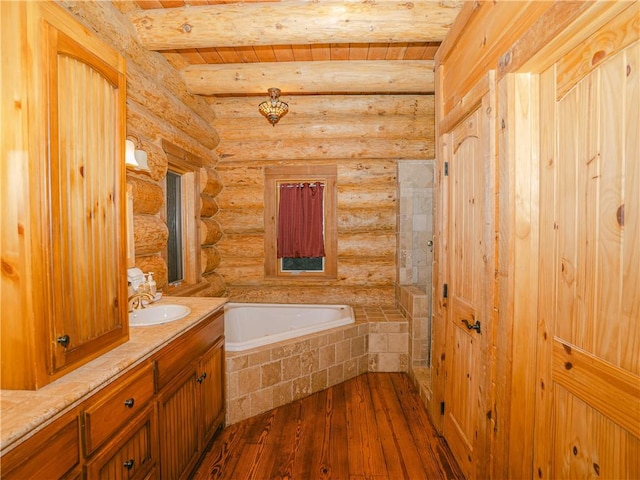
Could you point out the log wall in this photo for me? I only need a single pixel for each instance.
(364, 136)
(159, 108)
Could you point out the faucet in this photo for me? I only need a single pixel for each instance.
(134, 302)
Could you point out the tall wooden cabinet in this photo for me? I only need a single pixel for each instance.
(63, 196)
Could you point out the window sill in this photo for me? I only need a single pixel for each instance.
(300, 277)
(185, 290)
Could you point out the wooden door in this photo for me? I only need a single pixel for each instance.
(469, 280)
(588, 395)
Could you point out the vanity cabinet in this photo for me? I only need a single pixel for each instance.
(62, 191)
(190, 382)
(154, 421)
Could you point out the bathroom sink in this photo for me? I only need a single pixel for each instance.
(157, 314)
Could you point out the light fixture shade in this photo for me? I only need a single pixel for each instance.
(135, 156)
(130, 156)
(273, 108)
(141, 158)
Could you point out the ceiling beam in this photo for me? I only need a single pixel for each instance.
(358, 76)
(294, 22)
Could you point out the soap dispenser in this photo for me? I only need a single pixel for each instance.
(152, 284)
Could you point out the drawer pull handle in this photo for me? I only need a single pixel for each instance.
(128, 464)
(201, 378)
(64, 340)
(129, 402)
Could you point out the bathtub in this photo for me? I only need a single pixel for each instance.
(250, 325)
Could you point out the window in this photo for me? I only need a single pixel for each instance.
(304, 243)
(182, 215)
(173, 200)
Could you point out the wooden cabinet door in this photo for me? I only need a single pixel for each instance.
(63, 196)
(211, 386)
(179, 426)
(467, 359)
(86, 114)
(588, 395)
(131, 455)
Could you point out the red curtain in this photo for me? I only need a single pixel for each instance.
(300, 221)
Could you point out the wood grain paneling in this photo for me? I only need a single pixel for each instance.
(591, 310)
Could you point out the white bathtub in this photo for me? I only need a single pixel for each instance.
(250, 325)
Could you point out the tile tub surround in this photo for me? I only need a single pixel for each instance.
(24, 412)
(267, 377)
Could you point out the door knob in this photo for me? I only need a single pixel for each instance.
(475, 326)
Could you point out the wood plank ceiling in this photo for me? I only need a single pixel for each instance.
(301, 47)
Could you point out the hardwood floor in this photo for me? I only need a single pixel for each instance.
(371, 427)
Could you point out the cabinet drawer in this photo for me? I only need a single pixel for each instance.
(188, 348)
(132, 454)
(50, 453)
(115, 405)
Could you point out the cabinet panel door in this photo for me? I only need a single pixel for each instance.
(86, 115)
(211, 391)
(178, 426)
(131, 454)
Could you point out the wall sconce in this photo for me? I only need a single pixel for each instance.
(134, 155)
(273, 108)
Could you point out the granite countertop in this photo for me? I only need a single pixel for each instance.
(24, 412)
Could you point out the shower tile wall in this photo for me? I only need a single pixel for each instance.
(415, 222)
(415, 257)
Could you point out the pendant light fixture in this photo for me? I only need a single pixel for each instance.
(273, 109)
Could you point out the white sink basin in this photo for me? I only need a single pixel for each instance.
(157, 314)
